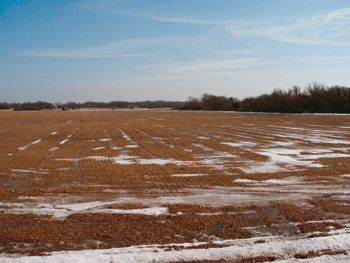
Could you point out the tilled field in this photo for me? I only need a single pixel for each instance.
(169, 186)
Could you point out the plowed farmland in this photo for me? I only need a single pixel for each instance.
(172, 186)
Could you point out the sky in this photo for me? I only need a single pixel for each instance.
(106, 50)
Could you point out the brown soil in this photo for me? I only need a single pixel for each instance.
(299, 214)
(119, 230)
(168, 136)
(321, 227)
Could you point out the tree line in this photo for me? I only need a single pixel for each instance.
(27, 106)
(315, 98)
(39, 105)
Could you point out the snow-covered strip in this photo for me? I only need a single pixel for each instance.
(160, 161)
(203, 138)
(105, 140)
(98, 148)
(284, 159)
(67, 139)
(53, 133)
(121, 159)
(125, 136)
(285, 181)
(315, 136)
(239, 144)
(340, 258)
(53, 149)
(274, 247)
(25, 147)
(244, 181)
(116, 148)
(205, 148)
(28, 171)
(187, 175)
(62, 211)
(217, 160)
(345, 175)
(131, 146)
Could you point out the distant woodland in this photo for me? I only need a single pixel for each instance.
(314, 98)
(39, 105)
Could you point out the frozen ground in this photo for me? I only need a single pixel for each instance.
(238, 161)
(283, 248)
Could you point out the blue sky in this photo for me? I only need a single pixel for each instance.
(105, 50)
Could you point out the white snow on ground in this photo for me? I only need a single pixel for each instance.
(294, 180)
(284, 159)
(285, 181)
(160, 161)
(121, 159)
(67, 139)
(53, 149)
(205, 148)
(98, 148)
(283, 249)
(125, 136)
(244, 181)
(53, 133)
(341, 258)
(62, 211)
(116, 148)
(186, 175)
(25, 147)
(239, 144)
(203, 138)
(131, 146)
(29, 171)
(280, 143)
(105, 140)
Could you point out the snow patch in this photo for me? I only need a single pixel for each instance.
(98, 148)
(28, 171)
(62, 211)
(25, 147)
(186, 175)
(276, 247)
(205, 148)
(105, 140)
(244, 181)
(239, 144)
(53, 149)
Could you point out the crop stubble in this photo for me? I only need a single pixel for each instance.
(106, 155)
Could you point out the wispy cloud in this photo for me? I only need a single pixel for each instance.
(122, 48)
(243, 63)
(234, 52)
(120, 8)
(317, 59)
(330, 28)
(185, 20)
(200, 70)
